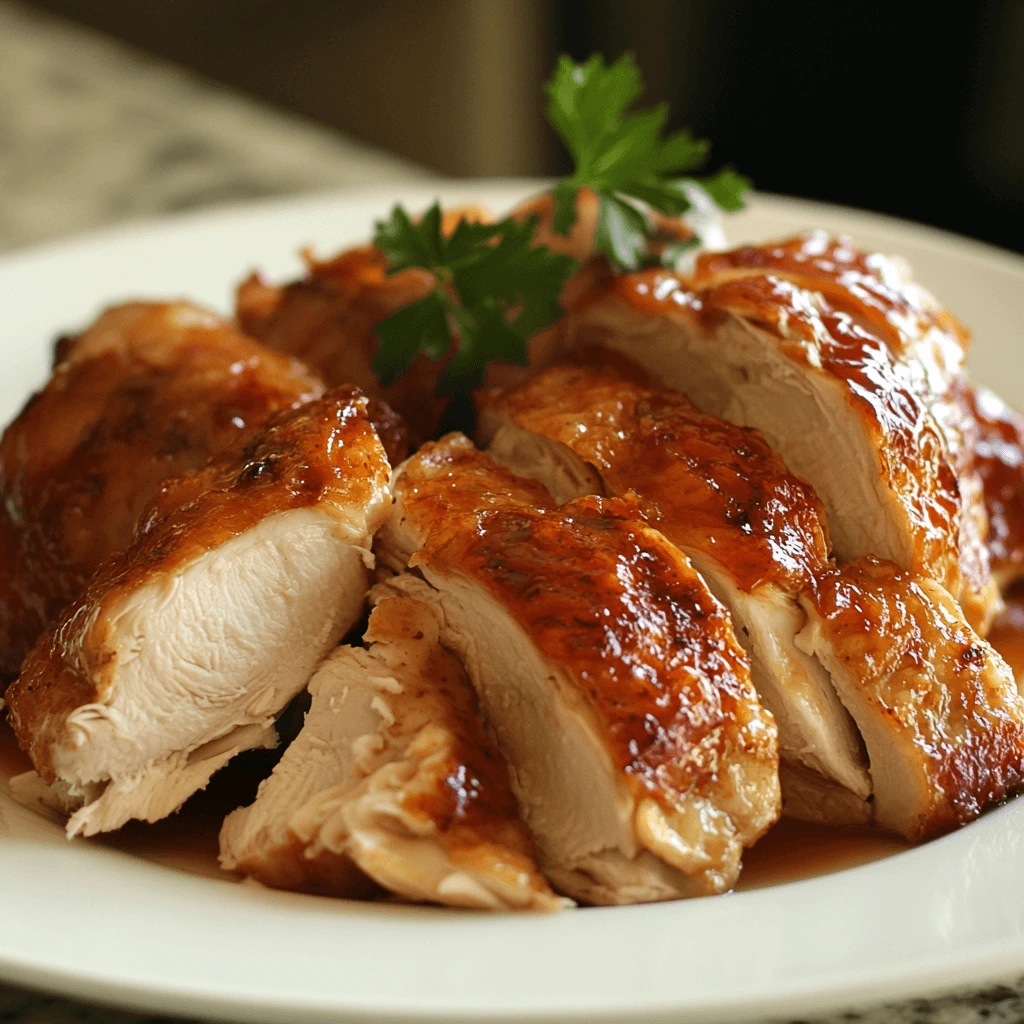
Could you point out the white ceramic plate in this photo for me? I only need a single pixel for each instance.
(98, 923)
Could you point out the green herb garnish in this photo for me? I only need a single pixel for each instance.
(625, 158)
(494, 290)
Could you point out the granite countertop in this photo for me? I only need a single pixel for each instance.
(92, 133)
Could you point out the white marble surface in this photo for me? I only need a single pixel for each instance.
(91, 134)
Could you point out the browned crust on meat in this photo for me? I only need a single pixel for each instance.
(612, 602)
(151, 390)
(325, 452)
(451, 476)
(997, 454)
(328, 318)
(815, 329)
(705, 483)
(948, 699)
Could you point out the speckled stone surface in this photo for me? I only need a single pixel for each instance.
(92, 134)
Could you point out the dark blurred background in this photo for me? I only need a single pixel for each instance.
(898, 108)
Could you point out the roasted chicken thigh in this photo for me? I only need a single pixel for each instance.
(185, 647)
(149, 391)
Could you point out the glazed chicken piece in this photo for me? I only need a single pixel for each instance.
(997, 449)
(754, 532)
(149, 391)
(392, 778)
(451, 474)
(844, 367)
(185, 647)
(640, 756)
(938, 708)
(327, 319)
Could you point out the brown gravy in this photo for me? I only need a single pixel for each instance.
(792, 850)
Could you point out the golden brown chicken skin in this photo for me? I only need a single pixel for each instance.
(643, 635)
(790, 339)
(150, 390)
(641, 758)
(928, 342)
(452, 475)
(704, 482)
(997, 451)
(938, 708)
(755, 532)
(243, 575)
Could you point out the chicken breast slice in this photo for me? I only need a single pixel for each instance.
(453, 476)
(641, 758)
(392, 778)
(938, 708)
(996, 445)
(149, 391)
(808, 342)
(184, 647)
(328, 318)
(754, 532)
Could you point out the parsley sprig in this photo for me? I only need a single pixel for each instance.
(494, 289)
(624, 156)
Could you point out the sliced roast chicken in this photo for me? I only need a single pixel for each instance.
(757, 535)
(147, 392)
(641, 758)
(997, 450)
(846, 370)
(393, 780)
(184, 648)
(938, 708)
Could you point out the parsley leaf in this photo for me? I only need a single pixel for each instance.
(494, 289)
(625, 157)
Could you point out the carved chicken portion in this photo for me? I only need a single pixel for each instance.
(997, 451)
(327, 319)
(641, 758)
(754, 532)
(842, 365)
(149, 391)
(185, 647)
(392, 778)
(449, 477)
(937, 707)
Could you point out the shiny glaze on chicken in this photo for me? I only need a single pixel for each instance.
(938, 708)
(611, 600)
(150, 390)
(324, 451)
(813, 330)
(704, 482)
(997, 450)
(327, 319)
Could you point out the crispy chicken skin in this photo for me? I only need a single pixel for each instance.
(450, 475)
(184, 647)
(842, 364)
(392, 778)
(327, 319)
(755, 533)
(641, 758)
(938, 708)
(150, 390)
(997, 450)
